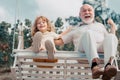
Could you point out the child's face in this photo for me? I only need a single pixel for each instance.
(42, 25)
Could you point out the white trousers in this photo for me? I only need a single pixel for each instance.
(91, 47)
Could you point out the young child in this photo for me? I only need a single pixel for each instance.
(43, 36)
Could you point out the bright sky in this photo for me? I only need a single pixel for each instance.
(49, 8)
(32, 8)
(114, 5)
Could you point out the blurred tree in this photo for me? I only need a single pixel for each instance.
(27, 33)
(58, 25)
(73, 20)
(58, 22)
(24, 29)
(5, 41)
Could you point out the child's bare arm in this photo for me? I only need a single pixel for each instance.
(66, 31)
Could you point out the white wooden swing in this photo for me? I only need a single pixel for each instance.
(67, 67)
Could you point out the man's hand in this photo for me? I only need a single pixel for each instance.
(112, 24)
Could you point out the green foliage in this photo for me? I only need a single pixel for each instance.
(28, 22)
(5, 48)
(73, 20)
(27, 33)
(4, 35)
(66, 47)
(27, 38)
(58, 22)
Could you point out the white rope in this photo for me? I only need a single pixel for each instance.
(16, 8)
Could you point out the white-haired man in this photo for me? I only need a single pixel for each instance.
(91, 37)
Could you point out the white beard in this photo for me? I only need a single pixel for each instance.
(88, 21)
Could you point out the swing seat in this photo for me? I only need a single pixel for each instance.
(68, 65)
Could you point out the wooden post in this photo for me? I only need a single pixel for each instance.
(21, 38)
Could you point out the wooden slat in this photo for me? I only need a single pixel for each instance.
(80, 76)
(41, 63)
(42, 75)
(58, 54)
(40, 79)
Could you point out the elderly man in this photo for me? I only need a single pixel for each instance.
(91, 37)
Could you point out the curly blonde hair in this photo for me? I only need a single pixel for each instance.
(50, 27)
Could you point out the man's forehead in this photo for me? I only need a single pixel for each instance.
(86, 6)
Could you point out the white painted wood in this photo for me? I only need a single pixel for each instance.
(67, 67)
